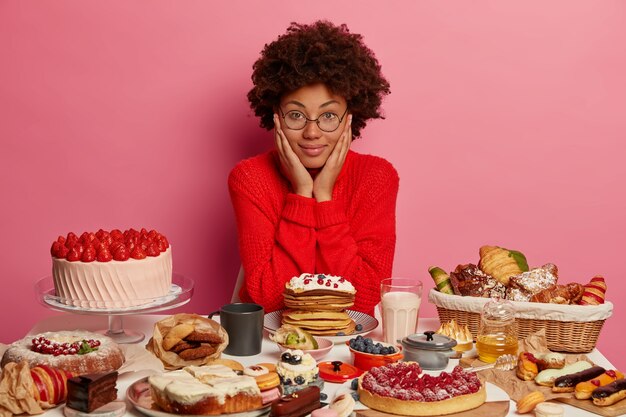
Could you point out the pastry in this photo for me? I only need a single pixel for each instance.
(527, 368)
(270, 395)
(469, 280)
(76, 351)
(559, 294)
(524, 286)
(584, 389)
(180, 392)
(111, 269)
(297, 370)
(343, 404)
(293, 337)
(567, 383)
(265, 379)
(176, 335)
(547, 376)
(442, 279)
(551, 360)
(594, 292)
(462, 335)
(187, 339)
(530, 401)
(324, 412)
(610, 393)
(31, 390)
(549, 410)
(502, 263)
(207, 373)
(88, 392)
(297, 404)
(401, 388)
(232, 364)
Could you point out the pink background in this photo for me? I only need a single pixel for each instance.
(506, 124)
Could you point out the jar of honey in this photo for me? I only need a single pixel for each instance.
(497, 333)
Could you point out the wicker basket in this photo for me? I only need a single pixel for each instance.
(569, 328)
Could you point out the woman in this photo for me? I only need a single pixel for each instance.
(312, 205)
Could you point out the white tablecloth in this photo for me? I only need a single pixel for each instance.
(270, 353)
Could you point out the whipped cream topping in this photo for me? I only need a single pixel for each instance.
(204, 373)
(307, 368)
(185, 388)
(310, 282)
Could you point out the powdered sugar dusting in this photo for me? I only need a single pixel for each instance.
(106, 358)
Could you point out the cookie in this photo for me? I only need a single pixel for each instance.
(176, 334)
(184, 345)
(204, 337)
(197, 353)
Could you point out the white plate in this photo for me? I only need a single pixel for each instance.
(139, 396)
(272, 322)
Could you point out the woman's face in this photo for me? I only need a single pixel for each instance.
(311, 144)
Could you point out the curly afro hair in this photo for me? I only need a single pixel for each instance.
(319, 53)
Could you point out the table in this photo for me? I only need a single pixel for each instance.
(270, 353)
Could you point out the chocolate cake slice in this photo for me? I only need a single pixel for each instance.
(88, 392)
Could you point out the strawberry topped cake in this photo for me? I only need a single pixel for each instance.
(401, 388)
(111, 269)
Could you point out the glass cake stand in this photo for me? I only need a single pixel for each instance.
(180, 293)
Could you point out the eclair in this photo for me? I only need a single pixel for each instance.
(567, 383)
(547, 376)
(610, 393)
(584, 389)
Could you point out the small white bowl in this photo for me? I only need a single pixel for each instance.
(324, 346)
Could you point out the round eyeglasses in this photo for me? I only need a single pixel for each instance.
(327, 122)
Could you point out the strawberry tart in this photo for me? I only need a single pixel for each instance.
(401, 388)
(77, 352)
(111, 269)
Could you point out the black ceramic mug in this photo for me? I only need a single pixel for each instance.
(244, 324)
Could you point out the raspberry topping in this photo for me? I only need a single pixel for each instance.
(404, 381)
(47, 347)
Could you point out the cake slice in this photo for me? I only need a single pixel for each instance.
(88, 392)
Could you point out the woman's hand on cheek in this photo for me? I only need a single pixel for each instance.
(292, 167)
(325, 180)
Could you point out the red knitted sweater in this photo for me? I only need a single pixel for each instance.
(282, 234)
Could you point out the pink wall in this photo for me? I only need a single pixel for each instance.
(506, 124)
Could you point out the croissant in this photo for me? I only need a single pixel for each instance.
(594, 291)
(559, 294)
(501, 263)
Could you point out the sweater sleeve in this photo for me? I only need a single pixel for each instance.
(363, 252)
(275, 243)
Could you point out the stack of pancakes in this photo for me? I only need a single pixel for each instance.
(317, 304)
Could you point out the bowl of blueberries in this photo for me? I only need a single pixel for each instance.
(367, 354)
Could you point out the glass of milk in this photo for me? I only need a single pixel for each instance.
(400, 300)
